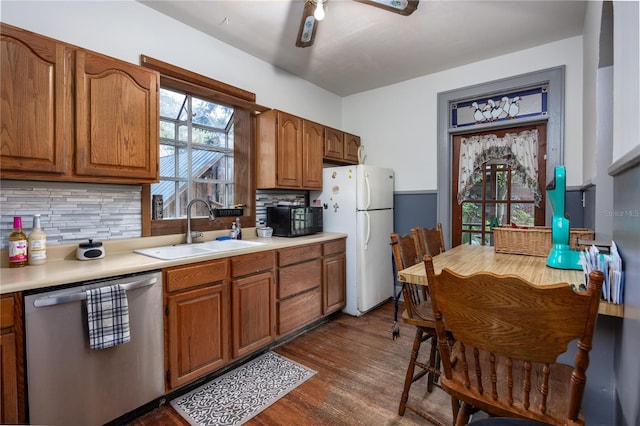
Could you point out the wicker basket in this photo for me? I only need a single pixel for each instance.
(535, 241)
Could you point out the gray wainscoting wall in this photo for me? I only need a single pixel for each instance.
(420, 208)
(411, 209)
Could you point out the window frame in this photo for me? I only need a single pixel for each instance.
(245, 110)
(187, 147)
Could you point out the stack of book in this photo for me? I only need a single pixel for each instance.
(611, 266)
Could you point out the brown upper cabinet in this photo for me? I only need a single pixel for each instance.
(340, 147)
(333, 144)
(312, 146)
(36, 110)
(351, 148)
(71, 114)
(289, 152)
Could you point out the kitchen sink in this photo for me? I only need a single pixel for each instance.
(181, 251)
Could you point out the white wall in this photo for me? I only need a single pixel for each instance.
(590, 51)
(125, 29)
(626, 84)
(398, 123)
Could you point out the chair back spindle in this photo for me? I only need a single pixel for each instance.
(428, 240)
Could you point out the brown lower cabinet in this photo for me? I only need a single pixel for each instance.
(197, 320)
(299, 287)
(222, 310)
(334, 276)
(252, 302)
(12, 406)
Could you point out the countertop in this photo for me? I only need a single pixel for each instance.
(62, 267)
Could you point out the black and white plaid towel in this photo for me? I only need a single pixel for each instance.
(108, 317)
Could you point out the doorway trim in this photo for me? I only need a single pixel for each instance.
(553, 77)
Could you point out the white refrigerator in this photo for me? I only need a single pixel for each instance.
(358, 201)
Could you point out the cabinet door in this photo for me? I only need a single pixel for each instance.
(351, 148)
(313, 145)
(289, 151)
(36, 105)
(116, 119)
(8, 381)
(333, 144)
(198, 336)
(253, 312)
(334, 279)
(12, 401)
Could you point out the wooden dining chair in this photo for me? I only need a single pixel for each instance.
(428, 240)
(508, 335)
(419, 313)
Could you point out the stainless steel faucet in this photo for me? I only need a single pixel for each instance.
(196, 234)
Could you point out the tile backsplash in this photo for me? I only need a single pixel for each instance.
(74, 212)
(71, 212)
(267, 198)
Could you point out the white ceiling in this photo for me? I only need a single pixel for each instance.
(359, 47)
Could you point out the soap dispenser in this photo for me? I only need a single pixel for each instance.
(238, 229)
(234, 231)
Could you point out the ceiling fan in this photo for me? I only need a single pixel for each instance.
(314, 10)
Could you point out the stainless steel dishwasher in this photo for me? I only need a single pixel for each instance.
(71, 384)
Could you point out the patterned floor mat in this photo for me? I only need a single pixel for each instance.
(242, 393)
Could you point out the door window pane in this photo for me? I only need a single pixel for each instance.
(489, 204)
(471, 216)
(520, 191)
(523, 214)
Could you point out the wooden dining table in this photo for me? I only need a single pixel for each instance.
(469, 259)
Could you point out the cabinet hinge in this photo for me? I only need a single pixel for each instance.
(166, 310)
(168, 376)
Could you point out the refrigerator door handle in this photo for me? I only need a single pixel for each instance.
(368, 227)
(368, 186)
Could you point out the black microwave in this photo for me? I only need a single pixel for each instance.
(294, 221)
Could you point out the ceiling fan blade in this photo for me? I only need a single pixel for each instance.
(308, 26)
(402, 7)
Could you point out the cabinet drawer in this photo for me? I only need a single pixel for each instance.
(334, 247)
(298, 311)
(183, 277)
(299, 254)
(6, 312)
(252, 263)
(296, 278)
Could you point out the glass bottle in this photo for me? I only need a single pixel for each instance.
(238, 229)
(17, 245)
(37, 250)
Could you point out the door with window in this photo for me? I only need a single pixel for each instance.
(499, 179)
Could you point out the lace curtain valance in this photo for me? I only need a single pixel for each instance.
(519, 151)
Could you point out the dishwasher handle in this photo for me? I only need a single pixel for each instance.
(82, 295)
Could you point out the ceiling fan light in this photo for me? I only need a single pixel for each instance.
(307, 32)
(319, 12)
(396, 4)
(401, 7)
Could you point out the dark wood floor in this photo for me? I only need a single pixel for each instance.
(359, 381)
